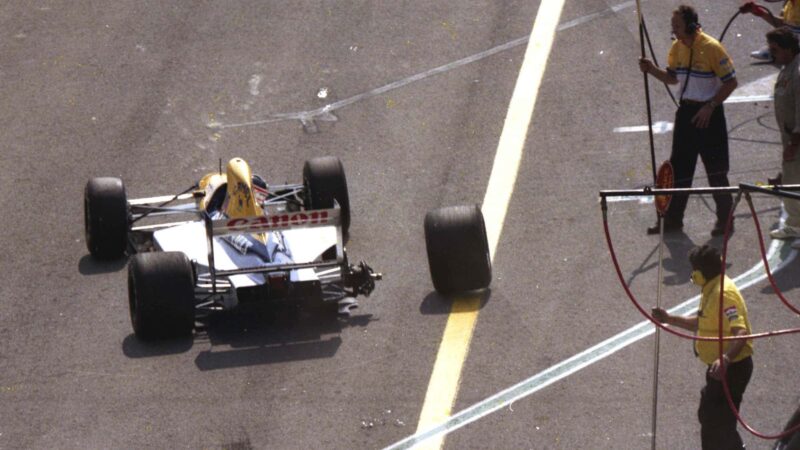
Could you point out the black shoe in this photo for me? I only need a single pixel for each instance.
(669, 227)
(719, 229)
(778, 180)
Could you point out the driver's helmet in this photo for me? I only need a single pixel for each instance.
(241, 200)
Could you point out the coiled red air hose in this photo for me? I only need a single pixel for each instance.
(641, 310)
(764, 256)
(724, 378)
(719, 338)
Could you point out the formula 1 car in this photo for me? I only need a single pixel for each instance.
(243, 241)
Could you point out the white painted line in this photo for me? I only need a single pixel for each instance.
(759, 90)
(326, 112)
(454, 348)
(779, 255)
(755, 91)
(515, 129)
(759, 87)
(748, 98)
(658, 128)
(663, 127)
(642, 199)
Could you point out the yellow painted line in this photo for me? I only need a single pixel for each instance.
(446, 375)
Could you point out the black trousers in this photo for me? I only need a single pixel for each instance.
(711, 145)
(717, 421)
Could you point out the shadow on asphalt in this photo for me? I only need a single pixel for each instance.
(436, 304)
(90, 266)
(260, 335)
(255, 336)
(134, 348)
(787, 279)
(676, 260)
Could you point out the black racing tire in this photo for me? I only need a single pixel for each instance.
(105, 217)
(324, 181)
(161, 295)
(458, 250)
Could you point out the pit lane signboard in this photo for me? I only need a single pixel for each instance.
(665, 179)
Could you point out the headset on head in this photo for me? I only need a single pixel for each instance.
(690, 20)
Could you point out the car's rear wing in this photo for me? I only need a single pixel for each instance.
(276, 222)
(273, 222)
(185, 202)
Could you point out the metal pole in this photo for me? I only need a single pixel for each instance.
(654, 422)
(657, 347)
(646, 92)
(785, 191)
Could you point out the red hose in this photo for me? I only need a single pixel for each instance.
(764, 256)
(666, 328)
(720, 338)
(725, 386)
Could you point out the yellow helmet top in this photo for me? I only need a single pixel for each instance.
(241, 200)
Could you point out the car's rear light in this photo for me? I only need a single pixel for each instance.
(278, 281)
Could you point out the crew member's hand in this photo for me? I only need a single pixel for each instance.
(646, 66)
(660, 314)
(760, 11)
(703, 116)
(790, 152)
(754, 9)
(747, 8)
(715, 371)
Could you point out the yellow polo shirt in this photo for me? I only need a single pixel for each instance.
(734, 315)
(791, 15)
(711, 66)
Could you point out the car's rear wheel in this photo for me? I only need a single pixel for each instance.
(458, 251)
(324, 182)
(161, 295)
(105, 214)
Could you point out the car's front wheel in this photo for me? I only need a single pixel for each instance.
(105, 214)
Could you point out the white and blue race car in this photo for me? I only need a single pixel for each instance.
(241, 240)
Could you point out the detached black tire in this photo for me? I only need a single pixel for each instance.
(458, 251)
(161, 295)
(105, 217)
(324, 181)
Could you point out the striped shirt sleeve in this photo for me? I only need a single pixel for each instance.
(722, 64)
(672, 60)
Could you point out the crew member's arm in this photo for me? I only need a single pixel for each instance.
(734, 347)
(665, 76)
(763, 12)
(687, 323)
(776, 22)
(703, 117)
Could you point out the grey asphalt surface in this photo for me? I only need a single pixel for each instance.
(129, 89)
